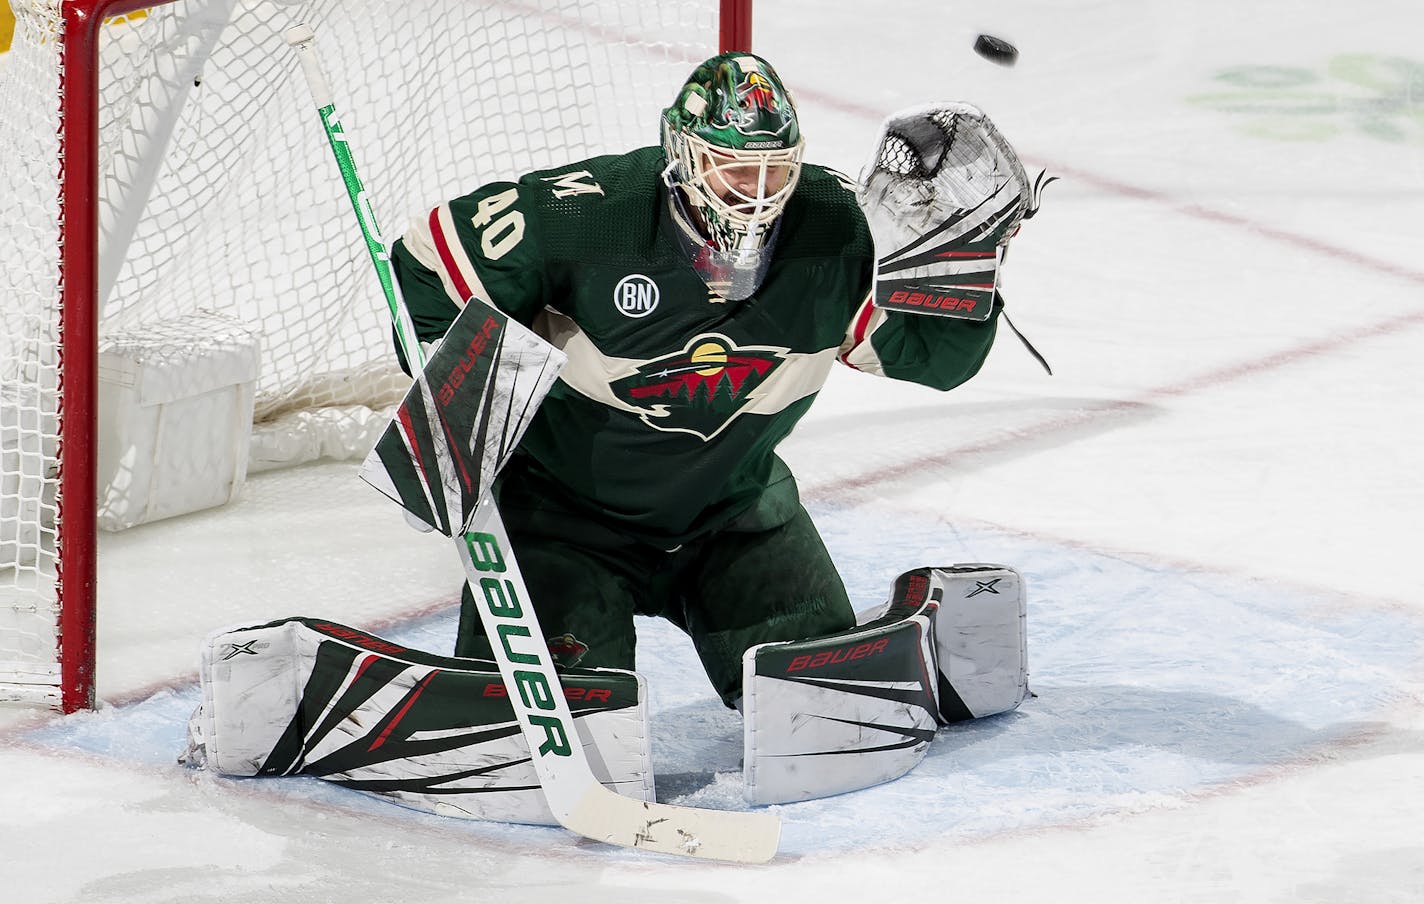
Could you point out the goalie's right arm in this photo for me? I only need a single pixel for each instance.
(484, 245)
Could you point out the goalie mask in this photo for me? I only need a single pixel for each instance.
(733, 149)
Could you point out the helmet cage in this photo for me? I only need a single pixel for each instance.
(738, 193)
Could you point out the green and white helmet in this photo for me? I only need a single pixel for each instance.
(734, 150)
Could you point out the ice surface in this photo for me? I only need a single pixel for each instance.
(1215, 502)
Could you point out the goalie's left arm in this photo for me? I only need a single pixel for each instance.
(939, 352)
(942, 194)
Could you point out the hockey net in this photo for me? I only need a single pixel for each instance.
(230, 275)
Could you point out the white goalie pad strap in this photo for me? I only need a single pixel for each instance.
(839, 713)
(310, 697)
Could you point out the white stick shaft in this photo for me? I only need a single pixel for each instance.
(303, 38)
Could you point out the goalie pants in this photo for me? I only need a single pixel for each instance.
(728, 590)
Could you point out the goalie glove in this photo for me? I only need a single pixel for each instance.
(943, 194)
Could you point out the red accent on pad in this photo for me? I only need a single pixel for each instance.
(408, 428)
(400, 714)
(366, 664)
(459, 459)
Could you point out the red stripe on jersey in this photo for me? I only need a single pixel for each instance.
(862, 322)
(442, 247)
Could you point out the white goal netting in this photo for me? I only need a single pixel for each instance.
(222, 220)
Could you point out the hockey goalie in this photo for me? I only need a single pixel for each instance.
(693, 297)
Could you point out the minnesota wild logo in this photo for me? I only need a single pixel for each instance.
(567, 650)
(701, 389)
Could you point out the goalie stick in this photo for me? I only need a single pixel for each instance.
(576, 798)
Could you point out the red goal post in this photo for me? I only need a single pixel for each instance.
(162, 184)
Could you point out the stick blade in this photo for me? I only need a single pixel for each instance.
(728, 835)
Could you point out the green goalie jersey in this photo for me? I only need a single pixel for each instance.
(666, 420)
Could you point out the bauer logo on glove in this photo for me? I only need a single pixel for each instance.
(943, 194)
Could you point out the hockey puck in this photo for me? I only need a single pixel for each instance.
(996, 50)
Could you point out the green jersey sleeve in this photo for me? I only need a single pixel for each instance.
(484, 245)
(939, 352)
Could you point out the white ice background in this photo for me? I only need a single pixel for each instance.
(1215, 502)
